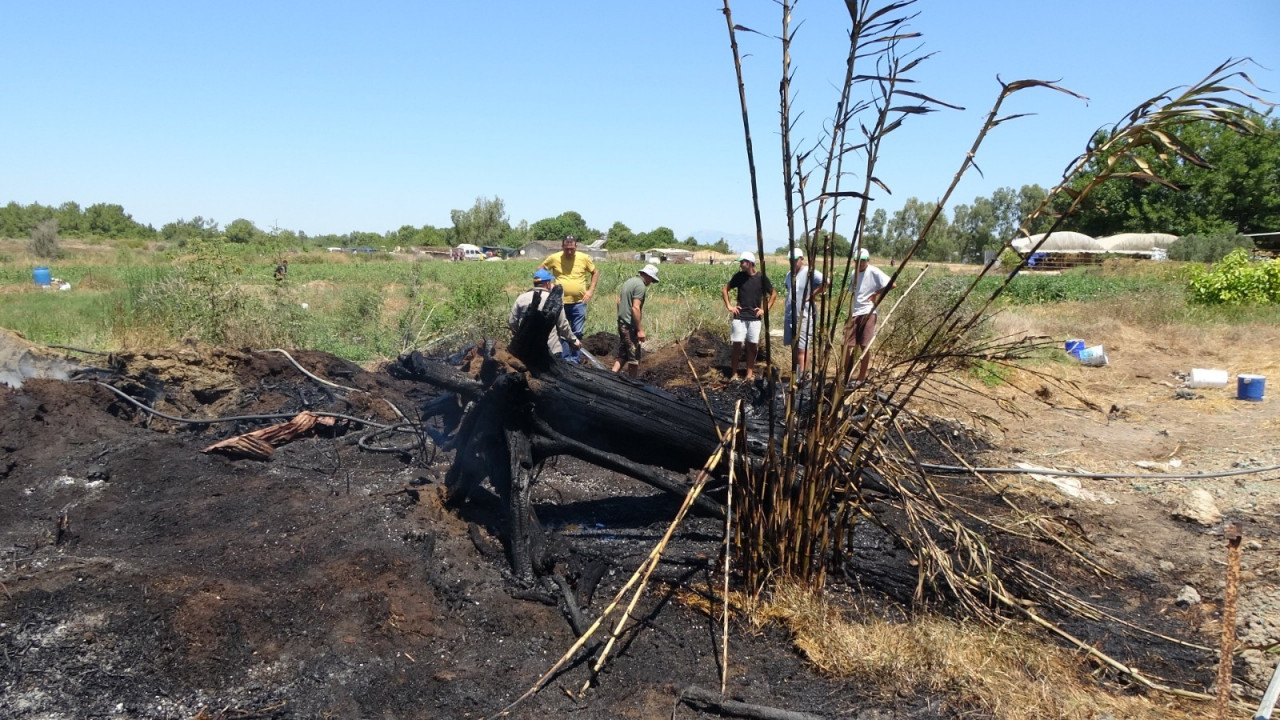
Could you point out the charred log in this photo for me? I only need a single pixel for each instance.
(525, 406)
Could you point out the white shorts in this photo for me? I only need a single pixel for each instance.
(806, 332)
(748, 330)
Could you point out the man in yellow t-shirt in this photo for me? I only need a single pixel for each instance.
(573, 271)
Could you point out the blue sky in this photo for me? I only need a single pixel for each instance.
(329, 117)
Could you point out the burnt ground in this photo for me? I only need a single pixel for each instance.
(142, 578)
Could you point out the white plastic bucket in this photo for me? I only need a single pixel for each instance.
(1202, 378)
(1093, 356)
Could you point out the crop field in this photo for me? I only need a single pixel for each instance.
(365, 309)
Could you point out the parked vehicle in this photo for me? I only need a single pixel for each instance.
(470, 252)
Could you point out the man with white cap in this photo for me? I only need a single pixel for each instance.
(755, 298)
(802, 285)
(860, 328)
(630, 312)
(542, 282)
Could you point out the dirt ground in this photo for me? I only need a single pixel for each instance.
(142, 578)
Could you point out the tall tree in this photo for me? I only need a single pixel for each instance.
(659, 237)
(241, 232)
(567, 223)
(71, 220)
(875, 234)
(187, 230)
(1238, 193)
(620, 236)
(111, 221)
(484, 224)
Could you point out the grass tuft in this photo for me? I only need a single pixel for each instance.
(1003, 672)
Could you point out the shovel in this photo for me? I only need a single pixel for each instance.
(592, 358)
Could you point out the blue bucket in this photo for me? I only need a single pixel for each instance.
(42, 276)
(1251, 387)
(1074, 347)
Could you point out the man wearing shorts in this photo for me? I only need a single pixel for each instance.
(802, 285)
(872, 286)
(630, 330)
(755, 297)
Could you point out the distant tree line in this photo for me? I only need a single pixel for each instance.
(486, 224)
(1239, 193)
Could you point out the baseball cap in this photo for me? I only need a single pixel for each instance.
(748, 256)
(863, 254)
(543, 275)
(797, 253)
(651, 270)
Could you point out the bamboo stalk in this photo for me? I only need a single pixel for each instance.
(728, 553)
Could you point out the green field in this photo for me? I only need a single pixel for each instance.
(376, 307)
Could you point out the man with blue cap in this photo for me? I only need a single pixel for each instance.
(543, 280)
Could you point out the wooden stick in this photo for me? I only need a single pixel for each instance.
(728, 553)
(692, 694)
(655, 556)
(582, 640)
(1229, 596)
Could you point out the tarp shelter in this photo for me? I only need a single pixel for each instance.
(1065, 249)
(1137, 242)
(1061, 241)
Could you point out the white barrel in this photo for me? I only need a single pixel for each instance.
(1202, 378)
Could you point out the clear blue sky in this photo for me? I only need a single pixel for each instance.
(329, 117)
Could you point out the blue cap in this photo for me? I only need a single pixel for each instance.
(543, 275)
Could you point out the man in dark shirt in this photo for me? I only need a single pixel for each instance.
(755, 298)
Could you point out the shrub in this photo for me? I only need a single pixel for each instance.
(44, 241)
(1207, 248)
(1010, 258)
(1236, 280)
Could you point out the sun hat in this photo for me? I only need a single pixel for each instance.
(651, 270)
(543, 275)
(864, 255)
(748, 256)
(797, 253)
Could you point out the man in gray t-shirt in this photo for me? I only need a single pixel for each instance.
(630, 316)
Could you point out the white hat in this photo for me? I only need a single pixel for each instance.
(651, 270)
(864, 255)
(797, 253)
(748, 256)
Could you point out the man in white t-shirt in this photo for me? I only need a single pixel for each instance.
(872, 286)
(802, 285)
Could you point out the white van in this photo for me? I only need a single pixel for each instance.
(470, 252)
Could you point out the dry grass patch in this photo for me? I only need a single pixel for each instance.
(1001, 671)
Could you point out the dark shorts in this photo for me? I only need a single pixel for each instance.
(859, 330)
(628, 347)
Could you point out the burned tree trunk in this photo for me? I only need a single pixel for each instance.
(525, 406)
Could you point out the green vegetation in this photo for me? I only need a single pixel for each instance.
(1236, 280)
(1207, 248)
(364, 308)
(1235, 190)
(485, 223)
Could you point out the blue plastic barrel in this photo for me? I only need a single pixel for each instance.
(1251, 387)
(42, 276)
